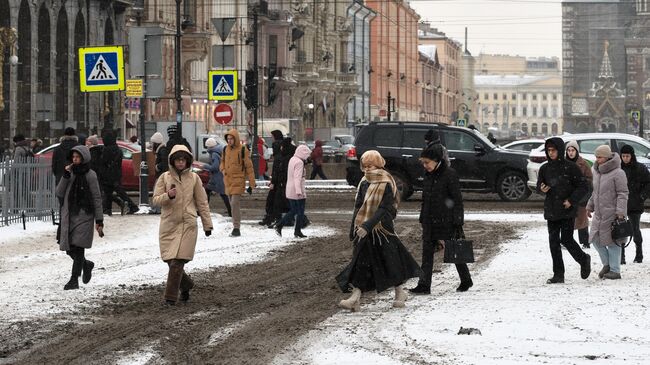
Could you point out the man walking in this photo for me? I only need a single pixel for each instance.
(564, 186)
(236, 166)
(317, 161)
(112, 180)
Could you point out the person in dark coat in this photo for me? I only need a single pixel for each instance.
(61, 154)
(638, 183)
(112, 180)
(581, 221)
(279, 181)
(441, 216)
(268, 211)
(21, 147)
(36, 145)
(431, 138)
(379, 260)
(80, 213)
(565, 187)
(161, 165)
(175, 138)
(216, 185)
(317, 161)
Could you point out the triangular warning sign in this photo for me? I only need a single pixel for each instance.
(101, 71)
(223, 87)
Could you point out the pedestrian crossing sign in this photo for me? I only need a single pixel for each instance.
(222, 85)
(101, 69)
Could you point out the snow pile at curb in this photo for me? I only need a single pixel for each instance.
(522, 319)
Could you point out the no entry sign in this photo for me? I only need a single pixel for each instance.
(223, 113)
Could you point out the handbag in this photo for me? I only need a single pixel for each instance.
(459, 250)
(621, 230)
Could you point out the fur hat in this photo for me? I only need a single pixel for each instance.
(372, 158)
(573, 144)
(157, 138)
(93, 140)
(627, 149)
(603, 151)
(434, 153)
(210, 142)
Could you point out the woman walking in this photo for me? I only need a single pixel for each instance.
(582, 222)
(295, 192)
(215, 185)
(379, 260)
(638, 183)
(442, 216)
(180, 194)
(80, 213)
(279, 181)
(608, 202)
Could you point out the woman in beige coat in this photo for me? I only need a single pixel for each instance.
(180, 194)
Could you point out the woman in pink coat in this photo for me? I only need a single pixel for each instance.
(295, 191)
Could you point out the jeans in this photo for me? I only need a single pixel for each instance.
(317, 170)
(297, 209)
(560, 233)
(610, 255)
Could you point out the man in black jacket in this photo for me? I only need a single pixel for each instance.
(112, 179)
(564, 186)
(61, 154)
(638, 182)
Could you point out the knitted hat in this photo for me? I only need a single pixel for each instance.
(69, 131)
(171, 130)
(157, 138)
(627, 149)
(603, 151)
(372, 158)
(210, 142)
(573, 144)
(434, 153)
(19, 138)
(93, 140)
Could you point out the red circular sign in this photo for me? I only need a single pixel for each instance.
(223, 113)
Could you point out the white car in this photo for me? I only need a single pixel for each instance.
(588, 142)
(524, 145)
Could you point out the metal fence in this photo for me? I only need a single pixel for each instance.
(27, 191)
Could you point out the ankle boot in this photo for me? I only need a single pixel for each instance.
(622, 255)
(87, 271)
(400, 297)
(603, 271)
(638, 258)
(353, 302)
(73, 283)
(298, 233)
(278, 229)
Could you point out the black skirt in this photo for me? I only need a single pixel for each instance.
(378, 264)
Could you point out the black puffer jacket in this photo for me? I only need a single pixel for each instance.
(61, 155)
(566, 183)
(111, 160)
(96, 161)
(638, 182)
(442, 202)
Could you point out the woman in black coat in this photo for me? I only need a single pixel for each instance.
(638, 182)
(279, 181)
(379, 259)
(441, 216)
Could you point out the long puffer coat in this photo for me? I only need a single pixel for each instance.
(638, 182)
(178, 228)
(442, 202)
(78, 229)
(236, 170)
(216, 176)
(608, 200)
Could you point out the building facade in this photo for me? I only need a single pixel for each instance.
(637, 49)
(430, 75)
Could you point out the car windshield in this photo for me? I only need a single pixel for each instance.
(346, 139)
(333, 144)
(483, 138)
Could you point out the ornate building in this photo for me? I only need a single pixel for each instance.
(637, 50)
(606, 102)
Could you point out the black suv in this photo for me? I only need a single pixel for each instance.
(481, 166)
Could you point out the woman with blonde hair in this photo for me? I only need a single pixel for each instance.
(380, 260)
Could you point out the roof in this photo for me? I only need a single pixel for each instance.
(506, 80)
(429, 51)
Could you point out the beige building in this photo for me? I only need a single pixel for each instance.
(489, 64)
(518, 106)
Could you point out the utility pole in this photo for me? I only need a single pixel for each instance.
(177, 73)
(254, 153)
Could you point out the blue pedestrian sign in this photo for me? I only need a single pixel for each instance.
(222, 85)
(101, 69)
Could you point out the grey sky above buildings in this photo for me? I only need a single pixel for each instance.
(516, 27)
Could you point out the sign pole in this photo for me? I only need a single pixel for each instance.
(144, 169)
(254, 152)
(641, 121)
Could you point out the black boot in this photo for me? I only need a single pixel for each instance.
(298, 233)
(555, 280)
(638, 258)
(421, 289)
(133, 209)
(278, 229)
(72, 284)
(465, 285)
(622, 255)
(87, 271)
(265, 221)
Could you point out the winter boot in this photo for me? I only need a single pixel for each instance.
(585, 267)
(186, 285)
(622, 255)
(638, 258)
(72, 284)
(421, 289)
(603, 271)
(174, 278)
(465, 285)
(298, 233)
(612, 275)
(265, 221)
(87, 271)
(278, 229)
(555, 280)
(305, 222)
(235, 232)
(122, 206)
(400, 297)
(353, 302)
(133, 209)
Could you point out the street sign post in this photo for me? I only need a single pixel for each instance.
(223, 113)
(101, 69)
(461, 122)
(222, 85)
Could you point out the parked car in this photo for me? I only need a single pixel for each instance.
(588, 142)
(526, 145)
(481, 166)
(347, 142)
(332, 151)
(129, 180)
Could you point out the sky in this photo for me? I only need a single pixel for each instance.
(517, 27)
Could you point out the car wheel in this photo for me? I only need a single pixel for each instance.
(403, 186)
(512, 187)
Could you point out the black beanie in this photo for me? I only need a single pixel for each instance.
(171, 130)
(19, 138)
(434, 153)
(627, 149)
(69, 131)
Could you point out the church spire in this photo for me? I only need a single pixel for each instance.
(606, 66)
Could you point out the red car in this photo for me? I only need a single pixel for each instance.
(129, 180)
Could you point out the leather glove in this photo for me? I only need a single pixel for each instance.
(249, 190)
(361, 232)
(208, 233)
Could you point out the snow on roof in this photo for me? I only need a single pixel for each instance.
(506, 80)
(429, 51)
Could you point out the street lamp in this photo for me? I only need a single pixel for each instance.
(8, 38)
(311, 112)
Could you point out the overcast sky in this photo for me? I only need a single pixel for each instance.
(515, 27)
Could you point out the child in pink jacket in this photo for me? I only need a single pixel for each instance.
(295, 191)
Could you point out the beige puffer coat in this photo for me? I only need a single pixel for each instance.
(235, 169)
(178, 227)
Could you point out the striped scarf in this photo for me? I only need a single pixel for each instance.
(378, 180)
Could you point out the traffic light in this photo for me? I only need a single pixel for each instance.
(250, 89)
(271, 94)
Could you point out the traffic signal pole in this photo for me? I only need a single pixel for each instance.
(254, 152)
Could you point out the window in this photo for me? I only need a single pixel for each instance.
(543, 96)
(533, 128)
(590, 145)
(504, 96)
(544, 112)
(514, 111)
(534, 111)
(459, 141)
(273, 50)
(525, 111)
(389, 137)
(545, 129)
(524, 128)
(534, 96)
(524, 96)
(639, 149)
(554, 96)
(514, 96)
(414, 138)
(495, 96)
(486, 96)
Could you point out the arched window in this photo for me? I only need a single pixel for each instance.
(545, 129)
(533, 129)
(524, 128)
(554, 129)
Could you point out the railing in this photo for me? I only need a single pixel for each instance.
(27, 191)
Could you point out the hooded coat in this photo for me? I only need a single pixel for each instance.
(78, 229)
(566, 183)
(216, 176)
(638, 183)
(279, 177)
(178, 228)
(296, 174)
(608, 200)
(317, 153)
(111, 161)
(61, 155)
(235, 169)
(582, 221)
